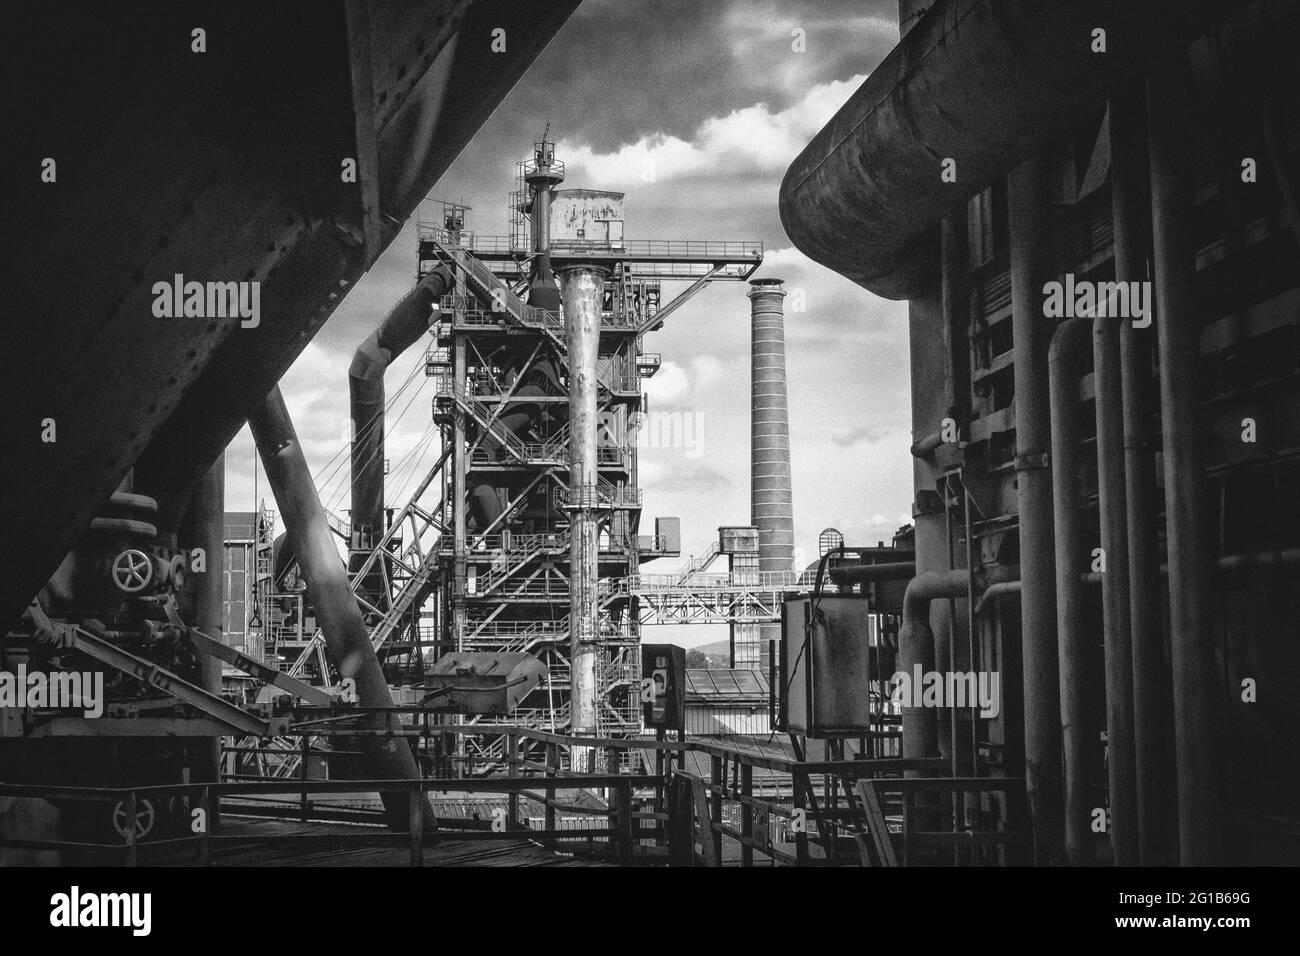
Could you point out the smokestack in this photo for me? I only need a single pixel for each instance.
(771, 504)
(771, 507)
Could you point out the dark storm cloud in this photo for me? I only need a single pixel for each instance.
(665, 65)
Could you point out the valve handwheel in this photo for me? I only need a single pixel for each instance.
(132, 571)
(145, 817)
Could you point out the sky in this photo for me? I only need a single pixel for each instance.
(695, 110)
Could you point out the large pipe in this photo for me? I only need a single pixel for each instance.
(1078, 729)
(978, 82)
(916, 645)
(1152, 709)
(1028, 214)
(1121, 762)
(1198, 693)
(583, 288)
(401, 328)
(346, 637)
(920, 730)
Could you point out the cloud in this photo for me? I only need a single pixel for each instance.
(675, 382)
(863, 433)
(696, 479)
(751, 139)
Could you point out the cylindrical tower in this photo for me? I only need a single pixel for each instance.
(771, 498)
(582, 288)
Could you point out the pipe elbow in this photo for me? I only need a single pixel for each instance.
(1065, 349)
(369, 360)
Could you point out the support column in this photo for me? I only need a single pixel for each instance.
(204, 527)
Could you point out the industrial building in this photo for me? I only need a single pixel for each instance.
(1104, 494)
(1078, 652)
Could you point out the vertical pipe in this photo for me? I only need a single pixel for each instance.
(931, 390)
(771, 498)
(400, 329)
(1152, 710)
(582, 289)
(1121, 761)
(1078, 734)
(331, 596)
(460, 466)
(1027, 202)
(1197, 694)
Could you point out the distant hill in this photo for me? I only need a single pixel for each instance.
(719, 650)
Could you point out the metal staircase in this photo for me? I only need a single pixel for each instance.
(700, 564)
(410, 572)
(534, 545)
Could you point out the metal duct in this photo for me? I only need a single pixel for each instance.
(402, 327)
(346, 637)
(980, 82)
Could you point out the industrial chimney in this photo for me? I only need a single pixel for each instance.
(771, 501)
